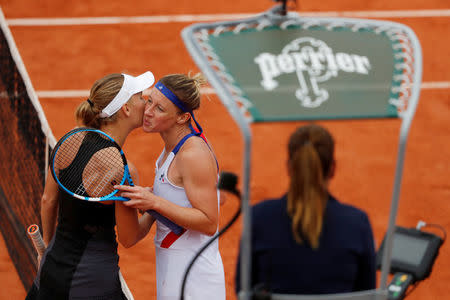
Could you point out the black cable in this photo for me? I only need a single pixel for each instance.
(227, 182)
(283, 10)
(236, 215)
(284, 6)
(411, 289)
(439, 227)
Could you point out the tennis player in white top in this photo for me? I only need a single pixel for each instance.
(184, 191)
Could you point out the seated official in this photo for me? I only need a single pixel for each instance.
(307, 242)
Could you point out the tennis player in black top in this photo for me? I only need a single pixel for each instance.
(81, 260)
(307, 242)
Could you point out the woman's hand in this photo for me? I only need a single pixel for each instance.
(140, 197)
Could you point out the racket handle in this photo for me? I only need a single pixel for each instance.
(178, 230)
(36, 238)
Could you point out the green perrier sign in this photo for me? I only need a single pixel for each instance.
(297, 73)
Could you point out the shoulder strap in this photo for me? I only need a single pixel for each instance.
(194, 133)
(180, 143)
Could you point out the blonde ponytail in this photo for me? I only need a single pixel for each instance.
(310, 157)
(102, 93)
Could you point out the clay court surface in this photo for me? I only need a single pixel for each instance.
(61, 58)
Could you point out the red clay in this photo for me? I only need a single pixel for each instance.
(73, 57)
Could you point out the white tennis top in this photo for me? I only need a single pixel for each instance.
(206, 278)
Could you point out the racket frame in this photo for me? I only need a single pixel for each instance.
(110, 196)
(178, 230)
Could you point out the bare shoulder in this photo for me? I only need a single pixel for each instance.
(196, 153)
(195, 148)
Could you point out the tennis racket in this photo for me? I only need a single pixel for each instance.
(38, 242)
(36, 238)
(87, 163)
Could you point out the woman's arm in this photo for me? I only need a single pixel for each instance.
(198, 170)
(130, 228)
(199, 177)
(49, 208)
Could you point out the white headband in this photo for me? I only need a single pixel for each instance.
(131, 85)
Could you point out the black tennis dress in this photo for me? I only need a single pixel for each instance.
(81, 261)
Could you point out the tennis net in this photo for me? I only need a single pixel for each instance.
(25, 136)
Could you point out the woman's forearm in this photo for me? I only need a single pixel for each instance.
(49, 209)
(202, 217)
(186, 217)
(130, 228)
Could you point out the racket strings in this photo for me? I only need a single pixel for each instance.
(104, 170)
(67, 151)
(88, 164)
(80, 190)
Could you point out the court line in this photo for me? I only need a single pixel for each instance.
(431, 85)
(427, 13)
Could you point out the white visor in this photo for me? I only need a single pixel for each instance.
(131, 85)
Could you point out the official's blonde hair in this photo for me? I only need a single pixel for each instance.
(311, 155)
(102, 93)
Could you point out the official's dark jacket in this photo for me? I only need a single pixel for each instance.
(344, 261)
